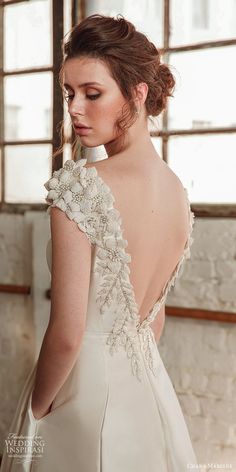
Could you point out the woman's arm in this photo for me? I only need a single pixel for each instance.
(55, 362)
(158, 324)
(70, 280)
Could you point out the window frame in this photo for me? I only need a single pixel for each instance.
(57, 102)
(203, 210)
(78, 9)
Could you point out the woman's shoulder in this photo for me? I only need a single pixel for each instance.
(103, 165)
(107, 170)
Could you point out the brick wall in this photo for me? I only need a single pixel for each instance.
(200, 355)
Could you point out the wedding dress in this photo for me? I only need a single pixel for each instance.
(117, 410)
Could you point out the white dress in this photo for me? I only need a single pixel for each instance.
(117, 410)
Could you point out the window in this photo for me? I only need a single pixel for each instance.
(30, 103)
(195, 135)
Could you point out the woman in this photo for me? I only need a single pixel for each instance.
(100, 397)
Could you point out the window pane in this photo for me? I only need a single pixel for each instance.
(205, 88)
(155, 123)
(28, 106)
(146, 16)
(27, 35)
(67, 10)
(206, 165)
(201, 21)
(27, 168)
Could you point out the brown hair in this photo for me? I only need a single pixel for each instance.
(131, 59)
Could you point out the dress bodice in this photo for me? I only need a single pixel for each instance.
(82, 194)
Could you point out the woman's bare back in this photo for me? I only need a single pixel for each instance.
(155, 221)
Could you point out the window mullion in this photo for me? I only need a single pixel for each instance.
(58, 112)
(166, 30)
(1, 106)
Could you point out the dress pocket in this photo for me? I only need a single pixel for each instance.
(37, 420)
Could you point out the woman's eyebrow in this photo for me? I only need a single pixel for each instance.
(82, 85)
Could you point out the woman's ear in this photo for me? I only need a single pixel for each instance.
(140, 92)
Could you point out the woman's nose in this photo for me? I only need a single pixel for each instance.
(76, 107)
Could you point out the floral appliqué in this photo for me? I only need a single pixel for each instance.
(81, 193)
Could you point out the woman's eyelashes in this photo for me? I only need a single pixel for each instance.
(90, 97)
(93, 97)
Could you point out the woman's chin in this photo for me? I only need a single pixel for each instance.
(90, 143)
(86, 141)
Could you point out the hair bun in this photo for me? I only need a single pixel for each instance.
(159, 90)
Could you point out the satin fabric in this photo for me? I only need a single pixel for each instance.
(103, 419)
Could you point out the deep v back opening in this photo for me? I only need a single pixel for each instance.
(160, 299)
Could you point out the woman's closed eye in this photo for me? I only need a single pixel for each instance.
(93, 97)
(90, 97)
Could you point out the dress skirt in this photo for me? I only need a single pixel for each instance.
(103, 419)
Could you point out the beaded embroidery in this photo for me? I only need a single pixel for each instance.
(81, 193)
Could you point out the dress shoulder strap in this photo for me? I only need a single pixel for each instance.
(78, 192)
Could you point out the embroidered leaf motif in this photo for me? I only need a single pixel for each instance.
(81, 193)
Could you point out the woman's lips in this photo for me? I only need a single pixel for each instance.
(82, 130)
